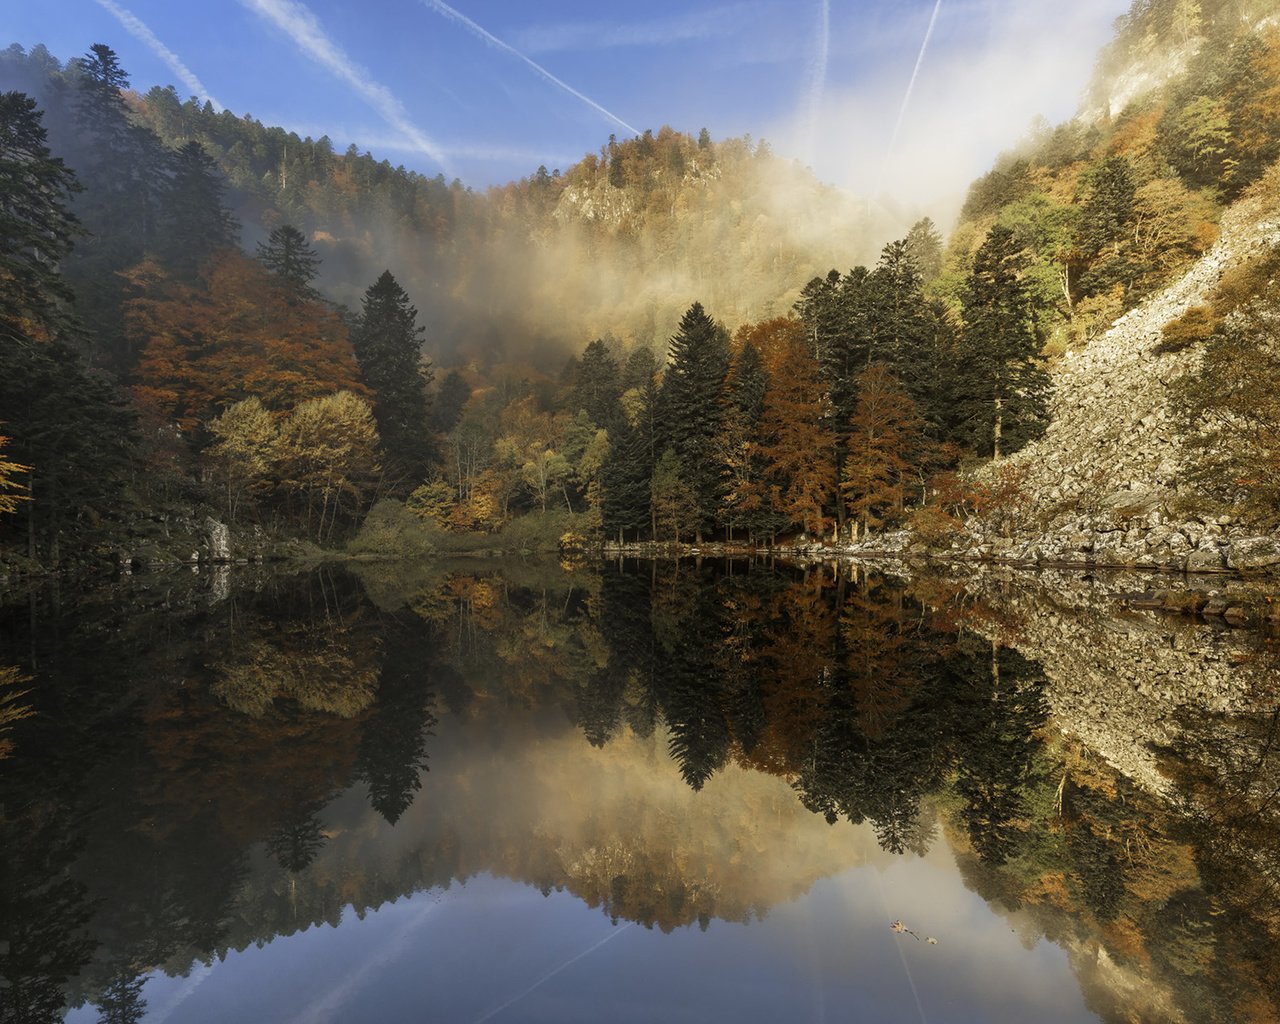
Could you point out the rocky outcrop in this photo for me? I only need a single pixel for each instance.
(1104, 483)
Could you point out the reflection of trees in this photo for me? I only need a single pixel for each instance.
(121, 1001)
(45, 912)
(688, 688)
(1227, 769)
(1002, 709)
(393, 747)
(298, 837)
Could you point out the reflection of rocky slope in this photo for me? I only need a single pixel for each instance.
(1120, 680)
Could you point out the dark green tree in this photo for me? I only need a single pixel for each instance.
(451, 396)
(125, 171)
(628, 469)
(1105, 221)
(291, 261)
(195, 221)
(388, 347)
(693, 408)
(924, 245)
(598, 385)
(1001, 387)
(36, 226)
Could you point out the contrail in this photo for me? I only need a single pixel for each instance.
(442, 8)
(906, 100)
(138, 29)
(817, 78)
(296, 21)
(552, 973)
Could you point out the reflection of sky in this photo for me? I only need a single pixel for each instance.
(498, 950)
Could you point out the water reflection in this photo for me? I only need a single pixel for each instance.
(210, 767)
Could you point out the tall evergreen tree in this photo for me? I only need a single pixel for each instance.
(195, 221)
(125, 171)
(1001, 387)
(65, 424)
(598, 385)
(924, 245)
(291, 261)
(388, 346)
(693, 408)
(36, 226)
(628, 469)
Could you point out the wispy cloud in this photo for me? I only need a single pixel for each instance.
(817, 80)
(296, 21)
(488, 37)
(596, 35)
(139, 30)
(911, 85)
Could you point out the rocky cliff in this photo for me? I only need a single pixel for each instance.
(1106, 484)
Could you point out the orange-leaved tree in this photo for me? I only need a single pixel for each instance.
(885, 448)
(205, 348)
(795, 442)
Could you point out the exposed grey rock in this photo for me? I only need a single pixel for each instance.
(219, 540)
(1251, 553)
(1206, 560)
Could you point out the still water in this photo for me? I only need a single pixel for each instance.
(632, 792)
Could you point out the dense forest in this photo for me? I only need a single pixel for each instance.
(205, 316)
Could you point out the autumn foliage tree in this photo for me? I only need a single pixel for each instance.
(206, 348)
(327, 454)
(885, 447)
(795, 444)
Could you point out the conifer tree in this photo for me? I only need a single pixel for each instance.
(124, 169)
(1001, 386)
(195, 221)
(597, 386)
(388, 347)
(693, 408)
(36, 226)
(67, 428)
(290, 260)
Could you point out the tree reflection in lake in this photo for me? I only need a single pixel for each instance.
(192, 780)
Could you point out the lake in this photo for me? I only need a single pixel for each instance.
(636, 792)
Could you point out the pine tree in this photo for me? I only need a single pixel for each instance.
(746, 489)
(66, 426)
(195, 222)
(1001, 386)
(598, 386)
(36, 226)
(693, 408)
(924, 245)
(388, 347)
(291, 261)
(124, 170)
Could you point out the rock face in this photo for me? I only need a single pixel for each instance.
(1102, 483)
(219, 540)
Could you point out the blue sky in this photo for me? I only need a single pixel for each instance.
(486, 90)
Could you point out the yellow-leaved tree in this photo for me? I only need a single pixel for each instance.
(327, 458)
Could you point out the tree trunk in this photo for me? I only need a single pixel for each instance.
(997, 429)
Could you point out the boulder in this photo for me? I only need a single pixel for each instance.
(1251, 553)
(219, 540)
(1206, 560)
